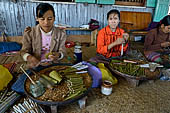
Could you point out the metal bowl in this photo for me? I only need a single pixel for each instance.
(56, 103)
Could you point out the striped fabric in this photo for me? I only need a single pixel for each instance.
(10, 67)
(154, 57)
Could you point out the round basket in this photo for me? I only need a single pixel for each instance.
(149, 75)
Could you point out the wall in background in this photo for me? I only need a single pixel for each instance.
(14, 17)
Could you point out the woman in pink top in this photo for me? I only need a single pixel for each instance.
(44, 42)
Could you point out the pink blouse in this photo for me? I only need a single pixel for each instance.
(46, 40)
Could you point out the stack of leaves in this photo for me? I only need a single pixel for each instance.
(75, 85)
(128, 68)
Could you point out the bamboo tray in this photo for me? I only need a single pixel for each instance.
(134, 80)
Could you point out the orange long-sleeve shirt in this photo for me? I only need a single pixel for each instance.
(106, 37)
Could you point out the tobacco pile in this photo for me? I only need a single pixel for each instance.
(70, 86)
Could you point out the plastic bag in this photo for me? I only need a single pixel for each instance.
(5, 77)
(93, 24)
(165, 75)
(95, 73)
(106, 74)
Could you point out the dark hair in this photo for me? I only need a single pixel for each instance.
(43, 8)
(165, 20)
(113, 11)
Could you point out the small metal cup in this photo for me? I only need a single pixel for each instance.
(37, 89)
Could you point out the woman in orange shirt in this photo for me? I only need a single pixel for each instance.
(111, 38)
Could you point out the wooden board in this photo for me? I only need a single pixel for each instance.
(135, 20)
(13, 39)
(74, 38)
(79, 38)
(129, 3)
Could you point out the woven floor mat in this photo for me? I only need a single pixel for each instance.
(147, 98)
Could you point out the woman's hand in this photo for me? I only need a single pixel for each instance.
(165, 44)
(32, 61)
(120, 41)
(54, 56)
(117, 42)
(126, 36)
